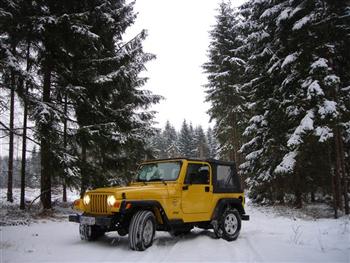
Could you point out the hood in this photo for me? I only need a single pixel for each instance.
(142, 191)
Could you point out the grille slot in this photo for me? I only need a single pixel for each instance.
(98, 203)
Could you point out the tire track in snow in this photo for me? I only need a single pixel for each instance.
(258, 258)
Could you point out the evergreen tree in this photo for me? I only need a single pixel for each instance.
(201, 148)
(212, 144)
(295, 97)
(81, 62)
(185, 141)
(170, 137)
(225, 70)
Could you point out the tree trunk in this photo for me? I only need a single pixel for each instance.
(24, 135)
(45, 152)
(338, 169)
(10, 161)
(24, 149)
(64, 186)
(344, 176)
(332, 182)
(312, 196)
(297, 190)
(83, 170)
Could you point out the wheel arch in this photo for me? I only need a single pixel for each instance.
(223, 203)
(151, 205)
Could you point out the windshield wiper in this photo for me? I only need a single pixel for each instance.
(142, 181)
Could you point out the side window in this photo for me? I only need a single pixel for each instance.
(225, 176)
(197, 174)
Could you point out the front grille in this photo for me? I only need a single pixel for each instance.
(98, 203)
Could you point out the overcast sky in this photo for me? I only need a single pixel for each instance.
(178, 34)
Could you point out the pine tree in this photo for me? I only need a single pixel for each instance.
(201, 147)
(185, 140)
(212, 144)
(225, 70)
(110, 127)
(294, 97)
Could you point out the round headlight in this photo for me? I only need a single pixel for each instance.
(111, 200)
(86, 199)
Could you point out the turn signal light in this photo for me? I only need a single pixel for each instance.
(128, 205)
(76, 202)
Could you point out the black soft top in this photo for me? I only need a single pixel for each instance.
(230, 185)
(211, 161)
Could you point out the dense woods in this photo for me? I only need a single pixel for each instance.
(277, 81)
(279, 86)
(188, 142)
(78, 82)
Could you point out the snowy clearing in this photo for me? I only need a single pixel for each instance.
(267, 237)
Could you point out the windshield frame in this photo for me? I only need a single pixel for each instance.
(138, 180)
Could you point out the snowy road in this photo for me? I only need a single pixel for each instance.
(265, 238)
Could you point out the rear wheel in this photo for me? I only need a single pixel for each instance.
(141, 230)
(229, 225)
(90, 233)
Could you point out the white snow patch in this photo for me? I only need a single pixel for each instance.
(274, 66)
(237, 61)
(271, 11)
(253, 155)
(306, 124)
(290, 59)
(324, 133)
(302, 22)
(284, 15)
(292, 110)
(314, 89)
(319, 63)
(346, 88)
(287, 163)
(328, 108)
(331, 80)
(109, 77)
(83, 30)
(267, 237)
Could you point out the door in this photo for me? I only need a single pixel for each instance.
(197, 190)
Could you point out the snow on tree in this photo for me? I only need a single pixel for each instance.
(225, 72)
(186, 141)
(295, 104)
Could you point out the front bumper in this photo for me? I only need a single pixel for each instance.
(99, 220)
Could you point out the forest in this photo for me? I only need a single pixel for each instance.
(277, 81)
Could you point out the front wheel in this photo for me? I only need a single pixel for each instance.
(141, 230)
(229, 225)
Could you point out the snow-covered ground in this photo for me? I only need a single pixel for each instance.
(267, 237)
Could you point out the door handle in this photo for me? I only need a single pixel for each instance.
(207, 188)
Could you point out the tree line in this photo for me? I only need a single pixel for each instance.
(78, 81)
(279, 86)
(188, 142)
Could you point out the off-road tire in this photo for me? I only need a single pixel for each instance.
(229, 225)
(141, 230)
(90, 233)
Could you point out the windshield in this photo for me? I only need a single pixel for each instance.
(159, 172)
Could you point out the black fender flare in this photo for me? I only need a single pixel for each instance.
(143, 205)
(223, 203)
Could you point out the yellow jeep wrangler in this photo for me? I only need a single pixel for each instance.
(171, 195)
